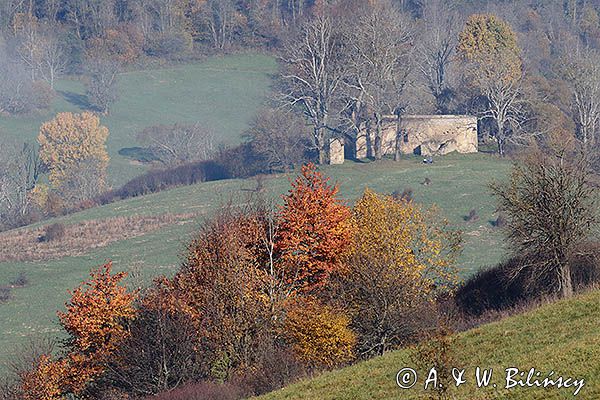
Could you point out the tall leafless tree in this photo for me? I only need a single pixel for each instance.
(581, 70)
(380, 48)
(313, 70)
(436, 44)
(506, 107)
(28, 46)
(550, 203)
(101, 86)
(52, 59)
(220, 19)
(19, 172)
(280, 137)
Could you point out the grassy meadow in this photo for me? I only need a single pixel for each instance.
(563, 337)
(458, 184)
(223, 93)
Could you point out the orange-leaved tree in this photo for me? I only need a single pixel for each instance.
(315, 230)
(222, 289)
(44, 380)
(96, 322)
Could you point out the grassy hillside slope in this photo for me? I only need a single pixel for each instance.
(458, 184)
(223, 93)
(563, 337)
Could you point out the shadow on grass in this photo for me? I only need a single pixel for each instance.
(76, 99)
(141, 154)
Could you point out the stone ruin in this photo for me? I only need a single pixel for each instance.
(427, 135)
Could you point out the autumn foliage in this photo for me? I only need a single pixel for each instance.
(264, 294)
(402, 260)
(414, 241)
(320, 334)
(491, 45)
(315, 230)
(45, 380)
(221, 288)
(70, 139)
(95, 321)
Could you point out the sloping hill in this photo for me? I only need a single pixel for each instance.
(563, 337)
(152, 247)
(222, 93)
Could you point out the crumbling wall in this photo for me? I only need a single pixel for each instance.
(422, 134)
(336, 151)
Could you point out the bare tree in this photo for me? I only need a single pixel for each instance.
(581, 70)
(101, 85)
(159, 355)
(83, 181)
(179, 143)
(90, 18)
(280, 137)
(18, 94)
(52, 58)
(436, 46)
(220, 19)
(550, 205)
(28, 47)
(162, 16)
(379, 62)
(313, 69)
(13, 86)
(506, 107)
(19, 172)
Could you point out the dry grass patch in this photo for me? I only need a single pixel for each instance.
(80, 238)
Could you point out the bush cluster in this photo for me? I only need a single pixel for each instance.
(501, 288)
(162, 179)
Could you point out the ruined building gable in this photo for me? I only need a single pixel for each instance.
(413, 134)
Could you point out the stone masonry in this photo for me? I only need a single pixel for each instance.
(427, 135)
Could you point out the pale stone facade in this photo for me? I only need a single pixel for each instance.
(336, 151)
(415, 134)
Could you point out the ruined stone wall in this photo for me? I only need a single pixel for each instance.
(336, 151)
(422, 134)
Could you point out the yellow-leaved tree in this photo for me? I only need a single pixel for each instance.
(72, 143)
(403, 259)
(488, 46)
(319, 334)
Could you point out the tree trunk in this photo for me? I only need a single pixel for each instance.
(319, 141)
(378, 143)
(501, 146)
(566, 285)
(399, 139)
(500, 138)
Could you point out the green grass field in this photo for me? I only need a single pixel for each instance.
(459, 184)
(223, 92)
(563, 337)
